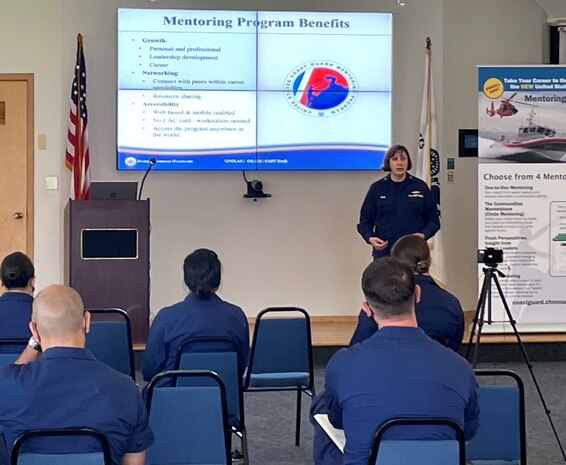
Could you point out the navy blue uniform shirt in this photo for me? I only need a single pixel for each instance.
(398, 372)
(193, 317)
(69, 388)
(439, 315)
(392, 210)
(15, 315)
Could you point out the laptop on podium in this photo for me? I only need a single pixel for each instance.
(114, 190)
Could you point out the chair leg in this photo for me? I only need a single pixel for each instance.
(298, 421)
(242, 434)
(244, 439)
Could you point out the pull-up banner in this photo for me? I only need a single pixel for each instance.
(522, 191)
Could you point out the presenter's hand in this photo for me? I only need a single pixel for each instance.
(377, 243)
(421, 235)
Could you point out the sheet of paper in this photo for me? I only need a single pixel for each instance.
(337, 435)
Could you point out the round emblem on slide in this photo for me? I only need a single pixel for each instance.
(321, 88)
(130, 161)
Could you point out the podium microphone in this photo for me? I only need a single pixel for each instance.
(152, 161)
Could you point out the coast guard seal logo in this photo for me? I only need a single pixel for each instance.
(320, 88)
(130, 161)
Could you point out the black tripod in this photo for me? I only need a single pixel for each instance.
(490, 273)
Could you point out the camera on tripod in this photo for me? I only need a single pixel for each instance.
(490, 256)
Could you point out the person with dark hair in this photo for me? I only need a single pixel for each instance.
(439, 313)
(396, 205)
(66, 387)
(398, 372)
(201, 271)
(17, 280)
(201, 314)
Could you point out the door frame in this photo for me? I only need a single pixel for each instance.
(29, 79)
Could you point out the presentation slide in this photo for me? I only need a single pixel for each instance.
(241, 90)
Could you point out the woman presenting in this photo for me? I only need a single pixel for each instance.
(397, 205)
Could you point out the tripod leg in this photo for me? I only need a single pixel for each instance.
(474, 361)
(478, 318)
(513, 324)
(487, 301)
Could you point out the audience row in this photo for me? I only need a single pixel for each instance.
(401, 361)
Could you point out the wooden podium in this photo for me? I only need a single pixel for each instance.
(107, 262)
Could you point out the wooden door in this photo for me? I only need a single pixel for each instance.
(16, 163)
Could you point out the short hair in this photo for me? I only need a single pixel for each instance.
(388, 285)
(391, 153)
(413, 250)
(16, 270)
(202, 270)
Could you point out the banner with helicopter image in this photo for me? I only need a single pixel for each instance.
(522, 193)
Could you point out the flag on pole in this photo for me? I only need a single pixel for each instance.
(77, 154)
(428, 166)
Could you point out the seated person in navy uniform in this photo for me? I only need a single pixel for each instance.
(201, 314)
(66, 387)
(397, 372)
(17, 279)
(439, 313)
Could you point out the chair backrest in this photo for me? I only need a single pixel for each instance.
(501, 434)
(282, 344)
(190, 423)
(418, 452)
(110, 339)
(10, 350)
(19, 455)
(219, 355)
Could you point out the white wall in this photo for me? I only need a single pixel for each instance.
(300, 247)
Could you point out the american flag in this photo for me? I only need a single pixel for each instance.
(77, 154)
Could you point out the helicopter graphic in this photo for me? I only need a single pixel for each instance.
(506, 107)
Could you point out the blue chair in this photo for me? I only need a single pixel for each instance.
(501, 437)
(418, 452)
(281, 355)
(20, 457)
(189, 422)
(10, 350)
(110, 339)
(219, 355)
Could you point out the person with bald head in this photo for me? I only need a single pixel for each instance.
(57, 383)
